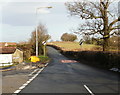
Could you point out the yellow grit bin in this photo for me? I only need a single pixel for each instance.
(34, 59)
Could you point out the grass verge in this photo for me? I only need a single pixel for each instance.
(74, 46)
(44, 59)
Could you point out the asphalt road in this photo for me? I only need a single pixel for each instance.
(74, 77)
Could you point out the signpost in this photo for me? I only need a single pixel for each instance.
(80, 42)
(44, 44)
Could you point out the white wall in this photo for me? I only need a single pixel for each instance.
(5, 58)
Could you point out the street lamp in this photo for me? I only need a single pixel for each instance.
(48, 7)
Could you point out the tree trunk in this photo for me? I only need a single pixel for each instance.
(105, 30)
(106, 44)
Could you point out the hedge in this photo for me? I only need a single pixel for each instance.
(102, 59)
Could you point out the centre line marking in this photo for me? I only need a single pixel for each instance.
(89, 90)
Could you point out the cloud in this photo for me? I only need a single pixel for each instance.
(43, 11)
(15, 33)
(22, 14)
(35, 0)
(49, 1)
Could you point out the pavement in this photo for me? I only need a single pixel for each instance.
(72, 77)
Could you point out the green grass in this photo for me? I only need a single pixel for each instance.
(44, 59)
(74, 46)
(27, 61)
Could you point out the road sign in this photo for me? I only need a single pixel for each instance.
(81, 42)
(44, 42)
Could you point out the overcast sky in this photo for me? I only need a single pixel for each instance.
(19, 20)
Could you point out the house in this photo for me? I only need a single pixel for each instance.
(17, 56)
(7, 44)
(10, 55)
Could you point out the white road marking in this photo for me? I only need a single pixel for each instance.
(42, 68)
(30, 79)
(89, 90)
(46, 64)
(34, 77)
(33, 72)
(28, 82)
(17, 91)
(25, 84)
(22, 87)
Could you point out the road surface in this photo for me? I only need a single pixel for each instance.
(72, 77)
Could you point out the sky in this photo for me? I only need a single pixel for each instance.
(19, 19)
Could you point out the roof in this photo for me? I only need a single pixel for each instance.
(4, 44)
(7, 50)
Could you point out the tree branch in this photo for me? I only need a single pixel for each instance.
(115, 27)
(112, 23)
(115, 32)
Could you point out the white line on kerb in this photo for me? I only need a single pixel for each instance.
(89, 90)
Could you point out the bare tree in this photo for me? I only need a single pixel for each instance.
(98, 18)
(42, 36)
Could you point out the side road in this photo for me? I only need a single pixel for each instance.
(13, 79)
